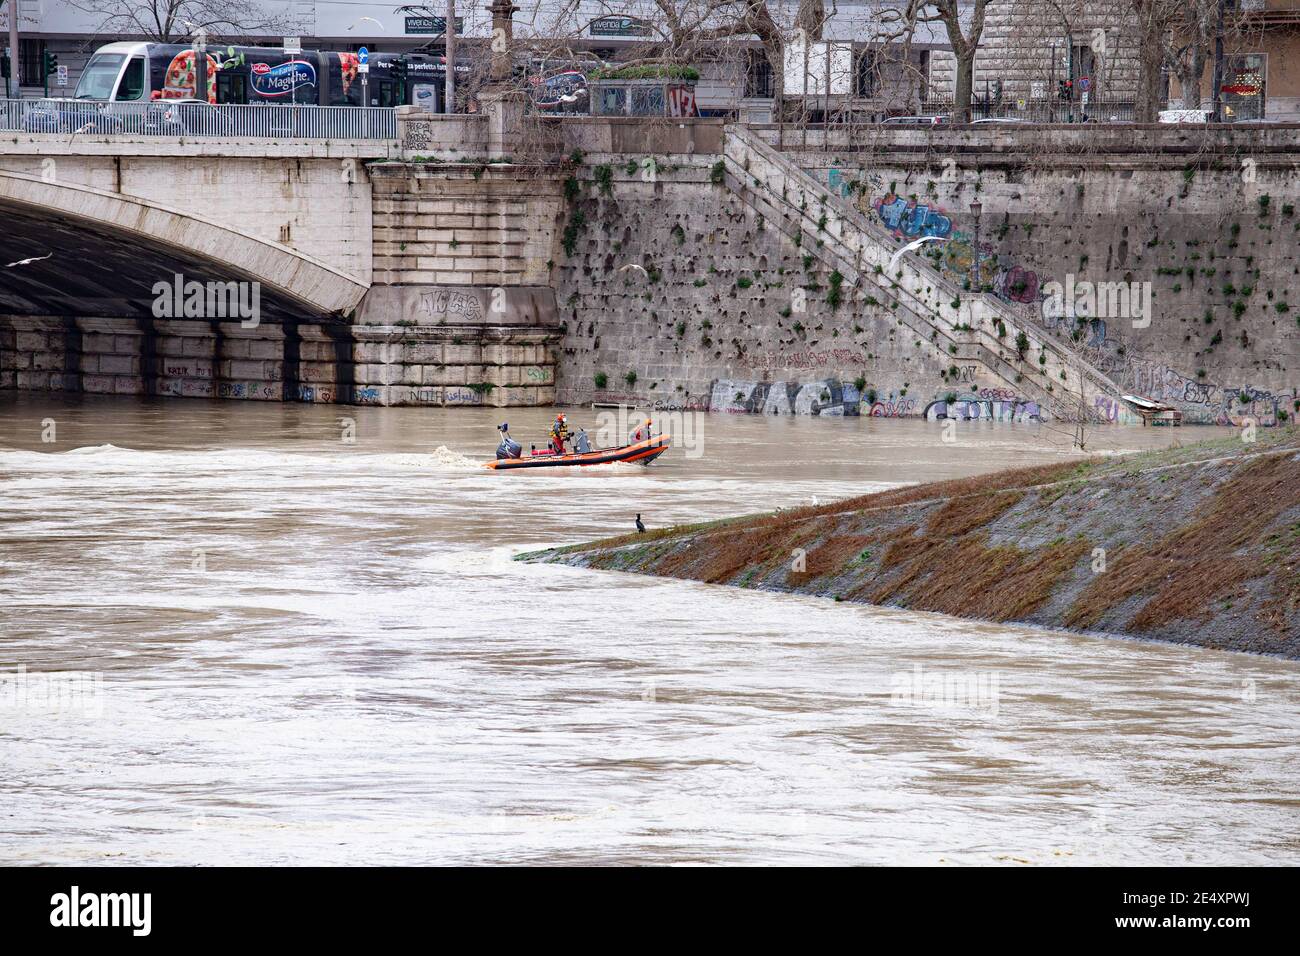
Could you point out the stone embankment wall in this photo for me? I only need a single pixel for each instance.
(1207, 218)
(462, 311)
(1210, 227)
(684, 280)
(673, 292)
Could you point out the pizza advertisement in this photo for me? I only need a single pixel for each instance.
(348, 63)
(180, 81)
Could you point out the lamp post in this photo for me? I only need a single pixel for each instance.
(1216, 100)
(201, 64)
(976, 207)
(449, 77)
(503, 28)
(15, 61)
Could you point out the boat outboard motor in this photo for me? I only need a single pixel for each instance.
(509, 448)
(582, 444)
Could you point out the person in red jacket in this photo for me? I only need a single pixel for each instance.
(559, 434)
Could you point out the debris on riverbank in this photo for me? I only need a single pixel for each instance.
(1197, 544)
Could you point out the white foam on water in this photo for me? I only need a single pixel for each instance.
(361, 673)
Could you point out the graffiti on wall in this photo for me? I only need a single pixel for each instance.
(808, 358)
(1205, 403)
(826, 398)
(462, 305)
(892, 407)
(909, 219)
(1114, 411)
(1239, 405)
(976, 408)
(265, 391)
(682, 405)
(315, 393)
(843, 183)
(1165, 384)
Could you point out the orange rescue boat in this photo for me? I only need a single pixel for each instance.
(510, 457)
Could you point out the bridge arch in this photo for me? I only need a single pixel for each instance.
(101, 253)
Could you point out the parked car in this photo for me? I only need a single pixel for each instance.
(190, 117)
(70, 116)
(915, 121)
(1185, 116)
(1000, 121)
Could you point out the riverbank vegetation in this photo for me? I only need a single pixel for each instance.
(1199, 543)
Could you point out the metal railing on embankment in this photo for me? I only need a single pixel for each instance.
(194, 119)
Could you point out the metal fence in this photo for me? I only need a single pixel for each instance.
(194, 119)
(1038, 110)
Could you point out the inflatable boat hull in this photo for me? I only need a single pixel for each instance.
(640, 453)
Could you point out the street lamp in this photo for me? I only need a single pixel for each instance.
(976, 207)
(15, 61)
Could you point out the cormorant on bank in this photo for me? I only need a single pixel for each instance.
(639, 525)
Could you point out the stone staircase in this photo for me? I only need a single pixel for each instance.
(979, 330)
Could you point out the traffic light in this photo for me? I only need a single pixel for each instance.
(4, 65)
(401, 72)
(50, 66)
(1064, 89)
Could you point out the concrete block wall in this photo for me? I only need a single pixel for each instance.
(483, 224)
(454, 365)
(34, 355)
(186, 359)
(369, 365)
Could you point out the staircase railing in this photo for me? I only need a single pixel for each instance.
(862, 251)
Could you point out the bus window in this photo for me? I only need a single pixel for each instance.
(132, 85)
(384, 94)
(232, 88)
(99, 77)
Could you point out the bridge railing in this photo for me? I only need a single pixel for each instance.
(193, 119)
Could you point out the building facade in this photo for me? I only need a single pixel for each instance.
(1028, 48)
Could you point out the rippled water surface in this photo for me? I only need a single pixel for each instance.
(305, 651)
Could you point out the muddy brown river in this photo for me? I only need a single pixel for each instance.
(228, 635)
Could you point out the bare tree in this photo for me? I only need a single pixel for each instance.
(1189, 45)
(964, 45)
(1155, 20)
(169, 21)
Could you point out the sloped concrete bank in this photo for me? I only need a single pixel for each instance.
(1197, 545)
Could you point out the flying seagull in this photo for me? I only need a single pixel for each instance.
(633, 265)
(371, 19)
(915, 244)
(27, 262)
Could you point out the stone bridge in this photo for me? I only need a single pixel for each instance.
(282, 270)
